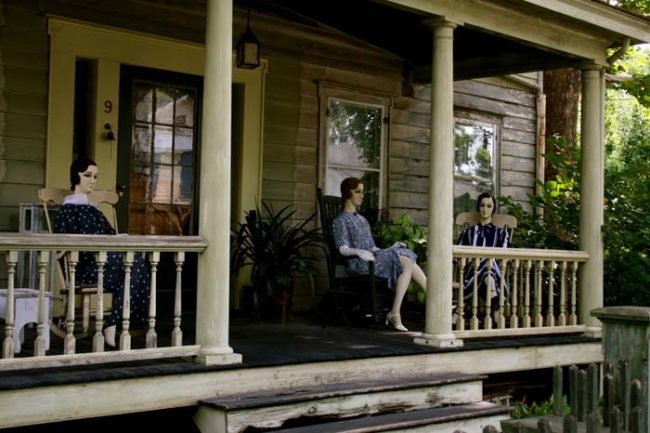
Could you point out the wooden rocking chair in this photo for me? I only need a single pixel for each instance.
(55, 197)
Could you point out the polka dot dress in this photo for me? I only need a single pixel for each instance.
(88, 220)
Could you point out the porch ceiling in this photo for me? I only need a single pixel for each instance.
(403, 32)
(496, 37)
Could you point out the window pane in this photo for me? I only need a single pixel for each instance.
(474, 164)
(184, 108)
(182, 185)
(143, 103)
(474, 150)
(163, 144)
(139, 184)
(161, 184)
(183, 142)
(354, 134)
(164, 105)
(142, 143)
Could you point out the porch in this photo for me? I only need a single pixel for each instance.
(298, 354)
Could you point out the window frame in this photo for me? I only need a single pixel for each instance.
(469, 117)
(328, 92)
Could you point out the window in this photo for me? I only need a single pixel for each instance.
(475, 160)
(354, 139)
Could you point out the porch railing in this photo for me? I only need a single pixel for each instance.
(45, 246)
(537, 292)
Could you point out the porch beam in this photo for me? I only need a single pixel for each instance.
(539, 30)
(591, 193)
(437, 331)
(212, 311)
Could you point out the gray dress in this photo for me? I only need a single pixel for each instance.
(353, 230)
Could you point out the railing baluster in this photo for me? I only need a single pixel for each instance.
(529, 265)
(487, 320)
(514, 318)
(8, 342)
(501, 314)
(473, 324)
(573, 317)
(460, 324)
(98, 338)
(537, 309)
(39, 344)
(177, 334)
(608, 400)
(69, 344)
(125, 336)
(562, 316)
(152, 337)
(550, 313)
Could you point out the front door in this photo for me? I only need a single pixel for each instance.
(158, 151)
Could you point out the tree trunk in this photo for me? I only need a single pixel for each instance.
(562, 89)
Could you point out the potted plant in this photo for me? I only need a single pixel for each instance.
(276, 249)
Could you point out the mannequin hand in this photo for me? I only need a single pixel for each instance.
(374, 249)
(399, 245)
(362, 254)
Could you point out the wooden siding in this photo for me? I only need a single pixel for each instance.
(500, 98)
(23, 109)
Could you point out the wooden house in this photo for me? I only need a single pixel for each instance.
(155, 92)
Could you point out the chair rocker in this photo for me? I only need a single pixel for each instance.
(359, 295)
(55, 197)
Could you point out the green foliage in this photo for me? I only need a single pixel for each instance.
(404, 230)
(275, 248)
(523, 410)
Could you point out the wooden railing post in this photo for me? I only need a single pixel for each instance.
(626, 338)
(152, 337)
(8, 342)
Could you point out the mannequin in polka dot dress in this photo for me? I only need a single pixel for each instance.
(78, 216)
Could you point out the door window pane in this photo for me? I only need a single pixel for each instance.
(164, 105)
(184, 108)
(143, 103)
(162, 144)
(142, 143)
(183, 144)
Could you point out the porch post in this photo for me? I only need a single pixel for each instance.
(438, 331)
(212, 310)
(591, 195)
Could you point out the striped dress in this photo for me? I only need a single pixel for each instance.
(480, 235)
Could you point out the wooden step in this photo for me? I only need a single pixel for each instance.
(271, 409)
(469, 418)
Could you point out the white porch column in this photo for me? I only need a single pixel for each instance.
(591, 194)
(438, 331)
(212, 314)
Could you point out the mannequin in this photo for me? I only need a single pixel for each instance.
(353, 239)
(484, 234)
(79, 216)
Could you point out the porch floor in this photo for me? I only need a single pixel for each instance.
(265, 344)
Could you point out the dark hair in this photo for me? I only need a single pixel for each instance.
(486, 195)
(349, 184)
(79, 166)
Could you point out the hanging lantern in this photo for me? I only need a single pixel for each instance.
(248, 48)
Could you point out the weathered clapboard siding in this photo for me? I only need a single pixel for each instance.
(508, 102)
(23, 109)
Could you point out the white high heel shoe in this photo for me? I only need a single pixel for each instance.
(396, 321)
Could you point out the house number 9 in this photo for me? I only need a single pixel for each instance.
(108, 106)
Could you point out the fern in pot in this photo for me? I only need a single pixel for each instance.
(277, 249)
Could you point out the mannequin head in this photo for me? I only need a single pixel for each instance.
(83, 176)
(485, 206)
(351, 192)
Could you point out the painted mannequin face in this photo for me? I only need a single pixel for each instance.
(87, 181)
(357, 195)
(486, 209)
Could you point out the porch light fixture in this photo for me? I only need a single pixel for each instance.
(248, 48)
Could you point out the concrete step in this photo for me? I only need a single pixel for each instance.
(469, 418)
(271, 409)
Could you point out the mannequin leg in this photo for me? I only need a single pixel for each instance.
(418, 276)
(403, 282)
